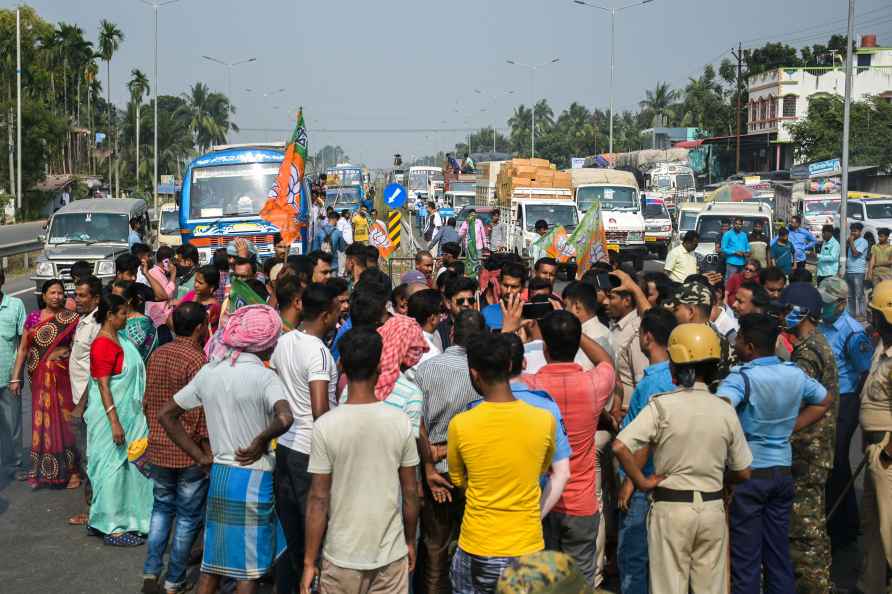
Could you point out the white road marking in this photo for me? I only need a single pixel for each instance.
(31, 289)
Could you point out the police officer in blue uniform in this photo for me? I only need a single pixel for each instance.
(773, 399)
(853, 352)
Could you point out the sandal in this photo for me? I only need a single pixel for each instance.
(74, 482)
(78, 520)
(124, 539)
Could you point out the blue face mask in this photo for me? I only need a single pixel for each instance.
(830, 313)
(794, 317)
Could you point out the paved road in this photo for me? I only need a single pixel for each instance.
(21, 232)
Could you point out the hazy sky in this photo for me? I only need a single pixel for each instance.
(397, 66)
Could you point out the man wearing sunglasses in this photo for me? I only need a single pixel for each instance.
(461, 294)
(749, 274)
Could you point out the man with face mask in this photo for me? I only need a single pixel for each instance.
(693, 305)
(812, 446)
(853, 351)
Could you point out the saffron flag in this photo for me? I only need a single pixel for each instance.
(283, 201)
(378, 238)
(589, 240)
(555, 244)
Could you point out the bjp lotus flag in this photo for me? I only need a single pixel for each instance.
(378, 238)
(555, 244)
(589, 240)
(283, 200)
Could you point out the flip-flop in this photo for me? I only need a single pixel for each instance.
(127, 539)
(74, 482)
(78, 520)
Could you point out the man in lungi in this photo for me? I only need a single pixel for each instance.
(246, 408)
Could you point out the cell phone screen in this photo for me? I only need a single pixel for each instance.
(536, 311)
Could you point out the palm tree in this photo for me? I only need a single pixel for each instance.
(659, 103)
(519, 123)
(209, 116)
(110, 38)
(138, 87)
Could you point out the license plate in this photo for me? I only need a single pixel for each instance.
(613, 246)
(650, 239)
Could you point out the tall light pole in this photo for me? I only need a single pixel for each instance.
(229, 66)
(155, 6)
(492, 100)
(533, 68)
(612, 12)
(18, 118)
(844, 227)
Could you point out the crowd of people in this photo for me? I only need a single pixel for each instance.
(470, 428)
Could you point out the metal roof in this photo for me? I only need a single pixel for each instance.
(109, 205)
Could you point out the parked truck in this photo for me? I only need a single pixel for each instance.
(617, 194)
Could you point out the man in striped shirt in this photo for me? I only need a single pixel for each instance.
(446, 383)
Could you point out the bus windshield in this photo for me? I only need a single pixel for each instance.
(683, 181)
(343, 177)
(418, 180)
(230, 190)
(170, 222)
(610, 197)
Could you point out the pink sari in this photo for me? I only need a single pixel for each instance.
(53, 452)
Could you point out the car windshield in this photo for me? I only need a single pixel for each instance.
(170, 222)
(230, 190)
(554, 214)
(879, 211)
(821, 206)
(683, 181)
(688, 221)
(655, 210)
(343, 177)
(89, 227)
(710, 226)
(610, 197)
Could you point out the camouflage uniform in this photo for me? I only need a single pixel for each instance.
(546, 571)
(813, 449)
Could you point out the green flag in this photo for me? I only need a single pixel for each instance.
(240, 295)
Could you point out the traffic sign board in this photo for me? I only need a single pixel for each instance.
(395, 195)
(394, 228)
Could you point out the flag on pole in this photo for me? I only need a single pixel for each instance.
(283, 200)
(555, 244)
(589, 240)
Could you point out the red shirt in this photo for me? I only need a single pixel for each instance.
(581, 396)
(169, 369)
(734, 282)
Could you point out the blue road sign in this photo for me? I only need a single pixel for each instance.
(395, 195)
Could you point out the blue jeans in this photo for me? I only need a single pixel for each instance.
(179, 493)
(10, 428)
(855, 281)
(760, 535)
(731, 269)
(476, 575)
(631, 550)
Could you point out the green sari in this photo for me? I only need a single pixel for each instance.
(472, 260)
(122, 496)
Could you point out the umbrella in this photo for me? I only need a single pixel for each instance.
(731, 193)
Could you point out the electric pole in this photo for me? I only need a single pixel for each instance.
(739, 55)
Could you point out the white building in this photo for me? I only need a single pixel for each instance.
(781, 96)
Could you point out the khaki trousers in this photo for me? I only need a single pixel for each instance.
(687, 544)
(390, 579)
(876, 522)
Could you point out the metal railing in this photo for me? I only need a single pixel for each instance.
(23, 248)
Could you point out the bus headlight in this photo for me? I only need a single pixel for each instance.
(105, 268)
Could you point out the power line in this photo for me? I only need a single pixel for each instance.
(372, 130)
(833, 22)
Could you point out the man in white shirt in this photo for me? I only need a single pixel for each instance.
(309, 373)
(425, 307)
(681, 261)
(346, 230)
(363, 497)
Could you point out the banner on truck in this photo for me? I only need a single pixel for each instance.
(577, 162)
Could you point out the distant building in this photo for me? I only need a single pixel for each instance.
(665, 138)
(780, 97)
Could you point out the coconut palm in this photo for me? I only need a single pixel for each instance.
(138, 87)
(110, 38)
(660, 103)
(209, 116)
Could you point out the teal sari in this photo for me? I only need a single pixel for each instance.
(122, 496)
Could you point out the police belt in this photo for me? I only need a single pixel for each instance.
(675, 496)
(872, 437)
(771, 472)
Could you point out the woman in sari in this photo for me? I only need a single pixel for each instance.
(473, 232)
(45, 347)
(207, 280)
(122, 495)
(139, 329)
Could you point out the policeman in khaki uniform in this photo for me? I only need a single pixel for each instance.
(694, 438)
(876, 425)
(812, 446)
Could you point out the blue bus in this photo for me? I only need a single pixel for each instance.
(222, 194)
(346, 187)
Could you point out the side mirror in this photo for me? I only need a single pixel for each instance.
(41, 237)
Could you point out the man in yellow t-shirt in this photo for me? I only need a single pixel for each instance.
(497, 451)
(360, 226)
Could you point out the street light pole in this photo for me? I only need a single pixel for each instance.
(229, 66)
(533, 68)
(490, 102)
(18, 119)
(843, 208)
(155, 6)
(612, 12)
